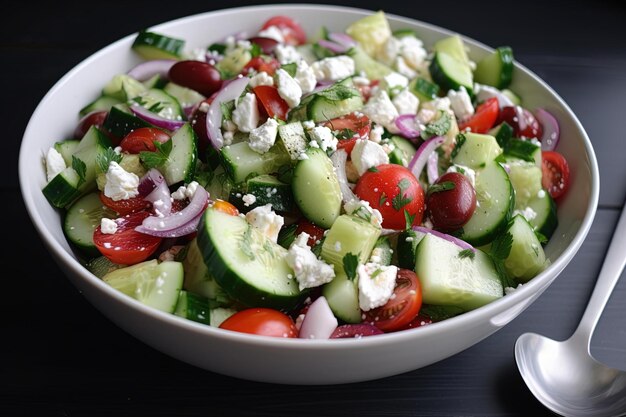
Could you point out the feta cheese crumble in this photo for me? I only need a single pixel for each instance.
(310, 271)
(54, 163)
(333, 68)
(263, 137)
(272, 32)
(246, 113)
(108, 226)
(406, 102)
(305, 77)
(381, 110)
(262, 78)
(461, 103)
(248, 200)
(394, 81)
(376, 284)
(266, 221)
(120, 184)
(362, 209)
(288, 88)
(184, 192)
(323, 137)
(286, 54)
(367, 154)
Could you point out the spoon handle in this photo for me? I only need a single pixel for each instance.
(609, 275)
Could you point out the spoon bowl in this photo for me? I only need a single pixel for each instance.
(563, 375)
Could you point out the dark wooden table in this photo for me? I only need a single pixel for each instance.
(61, 357)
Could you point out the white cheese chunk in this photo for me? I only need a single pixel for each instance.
(305, 77)
(288, 88)
(309, 271)
(120, 184)
(262, 138)
(333, 68)
(461, 103)
(362, 209)
(323, 137)
(286, 54)
(406, 102)
(272, 32)
(248, 199)
(376, 284)
(262, 78)
(367, 154)
(394, 81)
(108, 226)
(246, 113)
(54, 163)
(266, 221)
(381, 110)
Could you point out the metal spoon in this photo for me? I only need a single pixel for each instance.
(563, 375)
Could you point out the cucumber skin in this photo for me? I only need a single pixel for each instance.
(233, 285)
(439, 75)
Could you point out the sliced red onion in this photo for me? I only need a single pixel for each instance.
(267, 45)
(155, 119)
(160, 199)
(339, 162)
(149, 182)
(389, 232)
(423, 152)
(179, 223)
(230, 91)
(332, 46)
(460, 243)
(342, 39)
(319, 321)
(432, 167)
(551, 130)
(148, 69)
(486, 92)
(356, 331)
(407, 125)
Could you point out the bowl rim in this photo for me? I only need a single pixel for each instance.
(493, 309)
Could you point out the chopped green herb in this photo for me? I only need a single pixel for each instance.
(338, 92)
(156, 107)
(157, 158)
(345, 133)
(460, 140)
(467, 253)
(501, 246)
(255, 50)
(401, 200)
(350, 263)
(219, 48)
(104, 159)
(439, 187)
(376, 273)
(290, 68)
(227, 109)
(541, 237)
(81, 169)
(437, 128)
(408, 220)
(382, 199)
(373, 169)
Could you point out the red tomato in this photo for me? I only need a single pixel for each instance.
(366, 90)
(315, 233)
(555, 173)
(143, 139)
(225, 207)
(451, 201)
(292, 31)
(127, 246)
(484, 117)
(393, 190)
(261, 64)
(359, 124)
(124, 207)
(403, 306)
(522, 121)
(272, 102)
(95, 118)
(261, 321)
(349, 331)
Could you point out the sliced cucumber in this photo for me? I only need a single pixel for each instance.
(269, 190)
(545, 219)
(316, 188)
(152, 45)
(495, 200)
(496, 69)
(423, 89)
(450, 74)
(181, 164)
(475, 150)
(450, 279)
(198, 278)
(371, 32)
(151, 283)
(406, 247)
(233, 62)
(101, 266)
(503, 134)
(156, 81)
(193, 307)
(67, 148)
(81, 221)
(287, 235)
(512, 96)
(382, 252)
(246, 263)
(403, 151)
(293, 139)
(186, 97)
(342, 295)
(454, 47)
(123, 87)
(220, 184)
(524, 150)
(349, 234)
(526, 181)
(218, 315)
(101, 103)
(526, 258)
(363, 62)
(120, 122)
(241, 162)
(63, 189)
(160, 103)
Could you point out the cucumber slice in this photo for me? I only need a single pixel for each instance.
(512, 96)
(349, 234)
(220, 184)
(382, 252)
(154, 82)
(526, 258)
(152, 45)
(373, 69)
(475, 150)
(123, 87)
(198, 278)
(287, 235)
(233, 62)
(316, 188)
(218, 315)
(526, 181)
(524, 150)
(186, 97)
(151, 283)
(160, 103)
(503, 134)
(246, 263)
(67, 148)
(450, 73)
(291, 136)
(269, 190)
(63, 189)
(241, 162)
(101, 266)
(81, 221)
(496, 69)
(403, 151)
(423, 89)
(450, 279)
(342, 295)
(181, 164)
(193, 307)
(495, 200)
(371, 32)
(454, 47)
(318, 108)
(406, 248)
(545, 219)
(119, 122)
(101, 103)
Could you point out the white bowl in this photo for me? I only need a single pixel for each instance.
(294, 361)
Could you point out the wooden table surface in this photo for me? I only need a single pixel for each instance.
(61, 357)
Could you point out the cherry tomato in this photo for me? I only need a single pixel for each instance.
(349, 331)
(127, 246)
(451, 201)
(197, 75)
(394, 191)
(225, 207)
(359, 124)
(484, 117)
(419, 321)
(272, 102)
(124, 207)
(555, 173)
(403, 306)
(261, 64)
(522, 121)
(366, 90)
(261, 321)
(95, 118)
(315, 233)
(292, 31)
(142, 139)
(267, 45)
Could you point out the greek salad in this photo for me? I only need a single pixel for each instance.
(341, 184)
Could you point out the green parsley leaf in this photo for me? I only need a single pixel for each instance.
(139, 100)
(317, 248)
(157, 158)
(401, 200)
(255, 50)
(501, 246)
(287, 235)
(291, 68)
(376, 273)
(505, 278)
(460, 140)
(350, 263)
(338, 92)
(345, 133)
(467, 253)
(246, 245)
(439, 187)
(227, 109)
(219, 48)
(80, 168)
(104, 159)
(408, 219)
(363, 213)
(372, 169)
(382, 199)
(439, 127)
(541, 237)
(156, 107)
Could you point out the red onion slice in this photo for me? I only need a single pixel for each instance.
(319, 321)
(332, 46)
(342, 39)
(149, 69)
(356, 331)
(407, 125)
(231, 91)
(432, 167)
(155, 119)
(149, 182)
(339, 162)
(161, 199)
(460, 243)
(189, 227)
(551, 129)
(423, 152)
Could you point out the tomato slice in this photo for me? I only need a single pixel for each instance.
(484, 117)
(124, 207)
(315, 233)
(357, 124)
(143, 139)
(403, 306)
(261, 321)
(555, 173)
(127, 246)
(261, 64)
(292, 31)
(349, 331)
(523, 122)
(225, 207)
(272, 102)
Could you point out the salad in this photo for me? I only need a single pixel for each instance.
(345, 184)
